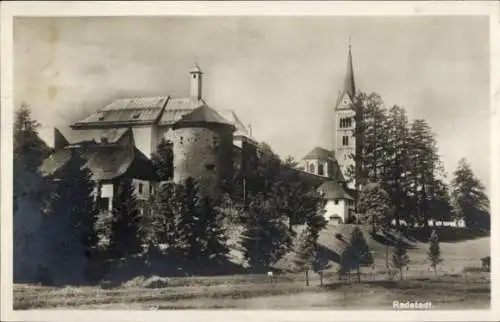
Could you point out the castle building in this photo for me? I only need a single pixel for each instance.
(118, 141)
(335, 166)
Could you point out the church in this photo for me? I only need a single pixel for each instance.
(334, 166)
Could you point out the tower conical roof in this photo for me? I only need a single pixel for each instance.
(349, 86)
(202, 115)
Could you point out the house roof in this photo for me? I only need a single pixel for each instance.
(127, 110)
(203, 114)
(105, 161)
(109, 135)
(334, 190)
(320, 154)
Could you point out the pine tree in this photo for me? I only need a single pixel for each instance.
(125, 239)
(305, 252)
(469, 198)
(162, 160)
(265, 237)
(212, 240)
(360, 254)
(29, 197)
(400, 258)
(434, 253)
(374, 205)
(70, 224)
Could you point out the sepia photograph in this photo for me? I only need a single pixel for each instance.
(250, 162)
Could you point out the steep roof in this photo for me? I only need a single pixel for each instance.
(349, 86)
(105, 161)
(241, 129)
(320, 154)
(201, 115)
(334, 190)
(109, 135)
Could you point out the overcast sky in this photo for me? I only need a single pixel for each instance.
(281, 74)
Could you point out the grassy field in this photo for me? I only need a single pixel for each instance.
(460, 284)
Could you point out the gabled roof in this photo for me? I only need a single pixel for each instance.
(320, 154)
(105, 161)
(202, 115)
(241, 129)
(334, 190)
(71, 136)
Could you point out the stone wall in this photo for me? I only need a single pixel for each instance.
(205, 154)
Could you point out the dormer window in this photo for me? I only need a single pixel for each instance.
(136, 115)
(100, 116)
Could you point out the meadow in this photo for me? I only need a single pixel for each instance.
(460, 283)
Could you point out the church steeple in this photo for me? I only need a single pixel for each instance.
(349, 86)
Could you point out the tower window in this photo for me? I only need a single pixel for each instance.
(345, 122)
(321, 169)
(345, 140)
(311, 168)
(140, 188)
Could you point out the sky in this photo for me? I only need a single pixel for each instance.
(282, 75)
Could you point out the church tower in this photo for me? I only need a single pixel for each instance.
(345, 124)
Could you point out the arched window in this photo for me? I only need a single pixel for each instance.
(311, 168)
(321, 169)
(140, 188)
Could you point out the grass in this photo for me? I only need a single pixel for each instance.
(460, 284)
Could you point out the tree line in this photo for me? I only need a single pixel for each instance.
(401, 174)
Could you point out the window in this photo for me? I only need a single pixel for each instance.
(150, 189)
(209, 167)
(336, 201)
(136, 115)
(321, 169)
(345, 140)
(311, 168)
(103, 204)
(141, 186)
(345, 122)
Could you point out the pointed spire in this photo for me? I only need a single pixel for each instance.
(349, 86)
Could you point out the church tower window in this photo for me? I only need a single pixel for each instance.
(321, 170)
(345, 140)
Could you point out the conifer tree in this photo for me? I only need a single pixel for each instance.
(400, 258)
(434, 253)
(469, 198)
(162, 160)
(305, 252)
(70, 224)
(125, 239)
(29, 192)
(374, 205)
(360, 254)
(265, 237)
(212, 240)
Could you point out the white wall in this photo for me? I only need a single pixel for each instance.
(340, 209)
(143, 137)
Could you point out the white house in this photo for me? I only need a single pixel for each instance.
(339, 204)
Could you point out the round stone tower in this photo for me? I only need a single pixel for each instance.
(203, 148)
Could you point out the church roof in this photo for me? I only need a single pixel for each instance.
(320, 154)
(105, 161)
(349, 86)
(334, 190)
(203, 114)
